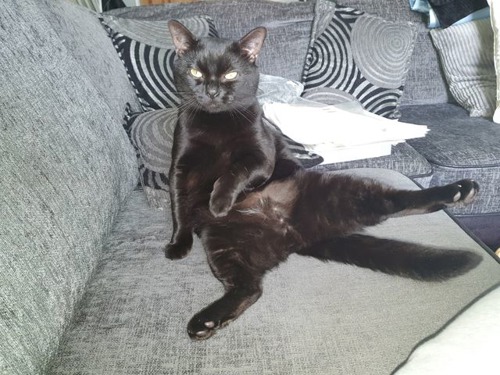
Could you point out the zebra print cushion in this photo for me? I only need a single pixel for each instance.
(151, 133)
(357, 56)
(147, 51)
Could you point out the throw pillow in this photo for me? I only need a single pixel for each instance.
(495, 23)
(357, 56)
(147, 52)
(151, 133)
(466, 54)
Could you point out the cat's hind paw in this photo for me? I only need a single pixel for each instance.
(466, 191)
(202, 328)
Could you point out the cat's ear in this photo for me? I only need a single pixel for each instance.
(183, 39)
(251, 43)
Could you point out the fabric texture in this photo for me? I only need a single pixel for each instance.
(84, 38)
(148, 53)
(357, 56)
(454, 156)
(466, 54)
(467, 345)
(288, 27)
(66, 166)
(403, 159)
(495, 23)
(133, 317)
(450, 11)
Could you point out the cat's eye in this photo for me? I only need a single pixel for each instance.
(195, 73)
(231, 75)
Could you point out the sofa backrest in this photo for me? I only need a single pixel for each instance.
(66, 165)
(289, 27)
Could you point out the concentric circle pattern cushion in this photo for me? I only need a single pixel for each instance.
(147, 52)
(357, 56)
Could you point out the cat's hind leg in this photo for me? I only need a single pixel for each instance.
(230, 254)
(235, 301)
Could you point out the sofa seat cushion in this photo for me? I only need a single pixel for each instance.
(458, 146)
(403, 159)
(313, 318)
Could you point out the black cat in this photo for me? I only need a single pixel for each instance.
(234, 184)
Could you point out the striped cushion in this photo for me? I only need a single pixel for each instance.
(466, 54)
(357, 56)
(147, 51)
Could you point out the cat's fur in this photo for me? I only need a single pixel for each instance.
(234, 184)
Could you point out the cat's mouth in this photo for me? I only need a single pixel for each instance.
(214, 105)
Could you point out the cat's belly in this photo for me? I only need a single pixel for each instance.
(273, 204)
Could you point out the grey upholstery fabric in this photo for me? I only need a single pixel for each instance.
(66, 165)
(288, 27)
(84, 39)
(403, 159)
(313, 318)
(454, 156)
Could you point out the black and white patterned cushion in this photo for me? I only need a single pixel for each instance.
(357, 56)
(147, 52)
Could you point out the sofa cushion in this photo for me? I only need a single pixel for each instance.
(354, 55)
(147, 51)
(83, 41)
(313, 318)
(66, 166)
(466, 53)
(456, 151)
(403, 159)
(288, 27)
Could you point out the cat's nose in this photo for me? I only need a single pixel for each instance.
(213, 91)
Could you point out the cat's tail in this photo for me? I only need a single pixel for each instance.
(395, 257)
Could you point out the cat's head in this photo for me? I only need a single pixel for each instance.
(213, 74)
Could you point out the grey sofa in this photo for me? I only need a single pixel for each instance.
(84, 285)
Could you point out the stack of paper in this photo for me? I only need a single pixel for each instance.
(340, 133)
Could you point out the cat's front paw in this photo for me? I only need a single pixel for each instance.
(220, 206)
(175, 251)
(222, 198)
